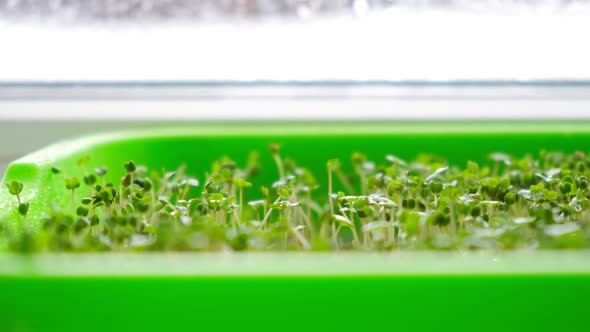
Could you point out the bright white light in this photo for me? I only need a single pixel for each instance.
(361, 7)
(391, 45)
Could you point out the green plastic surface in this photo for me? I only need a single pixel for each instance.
(533, 291)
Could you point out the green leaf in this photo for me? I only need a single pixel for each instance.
(550, 195)
(342, 220)
(561, 229)
(72, 183)
(438, 219)
(411, 221)
(274, 148)
(192, 182)
(395, 160)
(23, 208)
(284, 191)
(567, 187)
(510, 198)
(82, 211)
(100, 171)
(130, 166)
(216, 198)
(83, 161)
(523, 220)
(436, 186)
(395, 186)
(241, 183)
(375, 225)
(257, 203)
(501, 158)
(358, 158)
(472, 168)
(14, 187)
(333, 164)
(90, 179)
(491, 203)
(436, 174)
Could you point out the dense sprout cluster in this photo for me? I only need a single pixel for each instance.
(511, 203)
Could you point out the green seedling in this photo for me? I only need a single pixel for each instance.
(23, 209)
(15, 188)
(509, 203)
(241, 183)
(72, 184)
(130, 166)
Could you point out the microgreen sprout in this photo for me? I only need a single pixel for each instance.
(508, 203)
(15, 188)
(275, 150)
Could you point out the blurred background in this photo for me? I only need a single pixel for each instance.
(72, 67)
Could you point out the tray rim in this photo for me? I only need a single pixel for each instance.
(290, 264)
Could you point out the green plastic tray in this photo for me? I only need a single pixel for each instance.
(422, 291)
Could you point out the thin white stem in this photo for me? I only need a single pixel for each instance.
(301, 238)
(241, 204)
(279, 163)
(330, 190)
(266, 218)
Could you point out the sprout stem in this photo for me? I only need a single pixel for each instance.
(73, 201)
(304, 243)
(335, 235)
(307, 221)
(330, 190)
(266, 216)
(355, 236)
(241, 213)
(279, 162)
